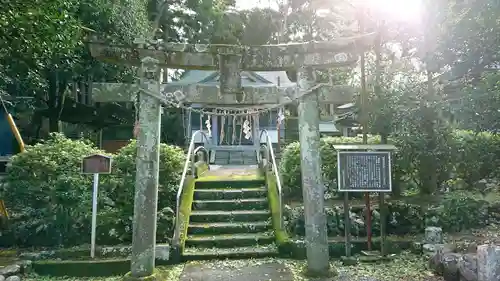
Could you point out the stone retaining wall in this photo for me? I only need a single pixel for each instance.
(13, 272)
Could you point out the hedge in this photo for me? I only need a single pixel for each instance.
(466, 155)
(477, 155)
(50, 200)
(48, 197)
(120, 186)
(457, 211)
(290, 164)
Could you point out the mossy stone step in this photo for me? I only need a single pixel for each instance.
(229, 240)
(230, 205)
(268, 251)
(228, 227)
(229, 194)
(232, 216)
(223, 183)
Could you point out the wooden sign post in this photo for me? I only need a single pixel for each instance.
(364, 168)
(95, 164)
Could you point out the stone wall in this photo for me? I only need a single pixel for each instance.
(481, 263)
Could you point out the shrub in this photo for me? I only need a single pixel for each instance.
(459, 211)
(456, 212)
(49, 198)
(121, 186)
(290, 165)
(477, 155)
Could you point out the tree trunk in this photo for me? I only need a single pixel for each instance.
(58, 84)
(428, 166)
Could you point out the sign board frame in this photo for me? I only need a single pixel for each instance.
(86, 171)
(341, 186)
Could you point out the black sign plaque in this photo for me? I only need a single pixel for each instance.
(364, 171)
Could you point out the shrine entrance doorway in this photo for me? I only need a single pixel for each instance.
(235, 145)
(231, 132)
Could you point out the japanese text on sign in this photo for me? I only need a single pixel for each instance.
(364, 171)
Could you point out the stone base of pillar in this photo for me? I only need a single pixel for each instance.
(327, 273)
(156, 276)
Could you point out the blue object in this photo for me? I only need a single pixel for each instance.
(6, 137)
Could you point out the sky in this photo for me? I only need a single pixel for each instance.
(400, 10)
(248, 4)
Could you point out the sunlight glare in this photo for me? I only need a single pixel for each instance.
(399, 10)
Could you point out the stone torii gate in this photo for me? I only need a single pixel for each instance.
(154, 55)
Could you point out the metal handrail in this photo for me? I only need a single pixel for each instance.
(270, 150)
(183, 179)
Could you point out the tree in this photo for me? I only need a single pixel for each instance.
(43, 50)
(470, 43)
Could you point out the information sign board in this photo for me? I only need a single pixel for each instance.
(96, 164)
(364, 171)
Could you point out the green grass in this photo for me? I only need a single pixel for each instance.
(404, 267)
(171, 273)
(34, 277)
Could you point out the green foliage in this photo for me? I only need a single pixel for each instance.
(121, 186)
(290, 165)
(455, 212)
(43, 50)
(457, 154)
(478, 109)
(477, 155)
(49, 198)
(459, 211)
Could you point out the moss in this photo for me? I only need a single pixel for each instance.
(252, 177)
(283, 241)
(337, 247)
(201, 168)
(9, 253)
(185, 208)
(82, 268)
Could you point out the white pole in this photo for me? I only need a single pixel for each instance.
(94, 214)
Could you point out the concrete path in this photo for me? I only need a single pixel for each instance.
(244, 270)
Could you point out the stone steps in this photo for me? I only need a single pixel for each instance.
(229, 240)
(226, 157)
(230, 205)
(229, 219)
(229, 227)
(229, 194)
(253, 252)
(232, 185)
(230, 216)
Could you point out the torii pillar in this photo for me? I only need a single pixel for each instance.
(313, 189)
(230, 60)
(147, 172)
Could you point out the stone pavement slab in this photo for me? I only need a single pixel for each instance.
(245, 270)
